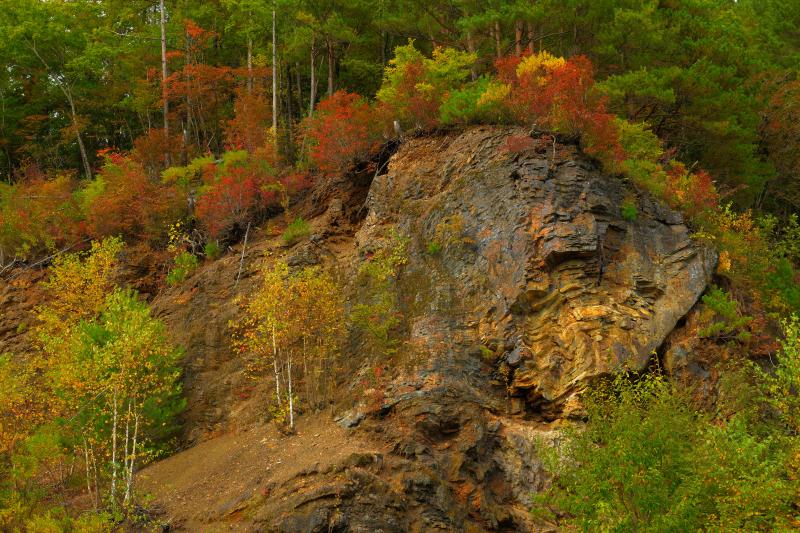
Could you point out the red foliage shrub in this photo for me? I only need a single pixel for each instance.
(296, 182)
(232, 199)
(124, 201)
(38, 214)
(691, 192)
(560, 95)
(152, 148)
(422, 109)
(247, 130)
(342, 132)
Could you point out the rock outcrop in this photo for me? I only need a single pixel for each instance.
(524, 282)
(544, 271)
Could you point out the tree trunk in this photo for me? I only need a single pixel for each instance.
(530, 37)
(88, 472)
(471, 48)
(164, 75)
(274, 79)
(132, 461)
(518, 38)
(291, 400)
(114, 453)
(275, 367)
(313, 87)
(87, 168)
(497, 36)
(299, 90)
(249, 65)
(329, 46)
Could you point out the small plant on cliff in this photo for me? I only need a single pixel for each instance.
(628, 210)
(723, 318)
(185, 264)
(376, 315)
(212, 250)
(296, 231)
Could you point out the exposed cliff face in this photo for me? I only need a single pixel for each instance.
(548, 274)
(524, 282)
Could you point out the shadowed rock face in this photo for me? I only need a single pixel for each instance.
(547, 273)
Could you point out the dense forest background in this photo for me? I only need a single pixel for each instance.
(715, 79)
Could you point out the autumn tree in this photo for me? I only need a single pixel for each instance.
(292, 323)
(38, 215)
(344, 130)
(118, 377)
(415, 86)
(124, 201)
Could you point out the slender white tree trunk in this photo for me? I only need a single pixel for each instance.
(88, 471)
(329, 45)
(132, 461)
(275, 367)
(274, 77)
(313, 89)
(249, 65)
(291, 400)
(164, 76)
(114, 452)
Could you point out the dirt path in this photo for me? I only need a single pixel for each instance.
(208, 487)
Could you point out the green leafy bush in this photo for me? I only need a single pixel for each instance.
(433, 248)
(212, 250)
(376, 316)
(185, 264)
(628, 210)
(725, 321)
(298, 230)
(646, 461)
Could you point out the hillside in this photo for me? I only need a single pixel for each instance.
(518, 265)
(543, 289)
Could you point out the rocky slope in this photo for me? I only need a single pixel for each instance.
(524, 282)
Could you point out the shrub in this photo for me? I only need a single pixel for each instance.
(212, 250)
(249, 128)
(781, 386)
(477, 102)
(646, 461)
(723, 318)
(628, 210)
(295, 232)
(560, 94)
(691, 192)
(38, 215)
(433, 248)
(124, 201)
(376, 316)
(185, 264)
(235, 192)
(154, 148)
(343, 131)
(414, 86)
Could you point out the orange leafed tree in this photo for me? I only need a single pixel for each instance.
(343, 131)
